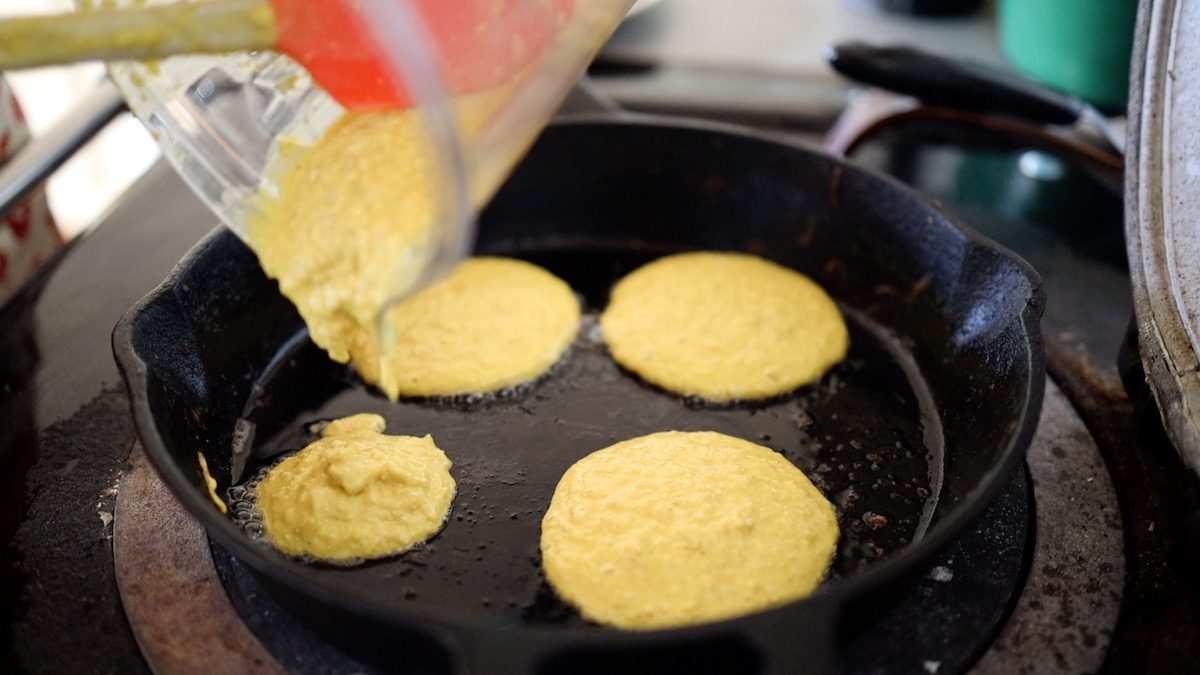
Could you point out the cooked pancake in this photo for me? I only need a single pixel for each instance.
(723, 326)
(356, 494)
(678, 528)
(490, 324)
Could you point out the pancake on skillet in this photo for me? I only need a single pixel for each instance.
(492, 323)
(678, 528)
(356, 493)
(723, 326)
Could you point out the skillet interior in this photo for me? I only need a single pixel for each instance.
(217, 344)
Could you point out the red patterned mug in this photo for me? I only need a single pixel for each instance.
(28, 235)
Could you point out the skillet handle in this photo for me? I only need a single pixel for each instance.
(774, 642)
(952, 83)
(496, 652)
(800, 642)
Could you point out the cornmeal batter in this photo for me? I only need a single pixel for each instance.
(679, 528)
(723, 326)
(492, 323)
(210, 484)
(356, 494)
(353, 224)
(351, 211)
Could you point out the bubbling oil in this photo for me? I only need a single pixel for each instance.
(867, 434)
(243, 504)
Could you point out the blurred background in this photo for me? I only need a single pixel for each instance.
(84, 187)
(757, 62)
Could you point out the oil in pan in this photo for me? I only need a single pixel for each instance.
(867, 434)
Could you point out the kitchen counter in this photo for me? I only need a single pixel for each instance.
(66, 434)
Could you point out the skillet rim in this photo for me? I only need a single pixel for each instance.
(451, 628)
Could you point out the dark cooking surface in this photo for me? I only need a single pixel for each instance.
(860, 434)
(989, 559)
(65, 436)
(965, 314)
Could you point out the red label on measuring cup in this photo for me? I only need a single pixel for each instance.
(480, 44)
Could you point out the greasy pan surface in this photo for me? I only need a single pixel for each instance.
(918, 427)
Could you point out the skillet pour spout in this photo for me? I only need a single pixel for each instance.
(942, 386)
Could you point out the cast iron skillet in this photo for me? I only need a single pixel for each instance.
(928, 416)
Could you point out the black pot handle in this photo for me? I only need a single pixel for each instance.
(800, 642)
(494, 652)
(781, 641)
(953, 83)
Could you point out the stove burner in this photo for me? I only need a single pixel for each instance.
(1064, 614)
(194, 607)
(1064, 618)
(175, 603)
(953, 614)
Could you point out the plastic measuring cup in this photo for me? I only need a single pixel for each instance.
(223, 121)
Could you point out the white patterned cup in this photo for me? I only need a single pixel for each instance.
(28, 235)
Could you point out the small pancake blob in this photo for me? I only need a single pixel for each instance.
(491, 323)
(356, 494)
(723, 326)
(679, 528)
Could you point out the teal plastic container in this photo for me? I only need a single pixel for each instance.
(1079, 46)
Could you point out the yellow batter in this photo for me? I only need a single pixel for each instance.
(354, 222)
(492, 323)
(351, 210)
(210, 484)
(723, 326)
(678, 528)
(356, 493)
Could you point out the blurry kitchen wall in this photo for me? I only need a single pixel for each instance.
(84, 187)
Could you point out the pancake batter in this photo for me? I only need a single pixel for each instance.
(679, 528)
(723, 326)
(354, 223)
(356, 494)
(351, 208)
(492, 323)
